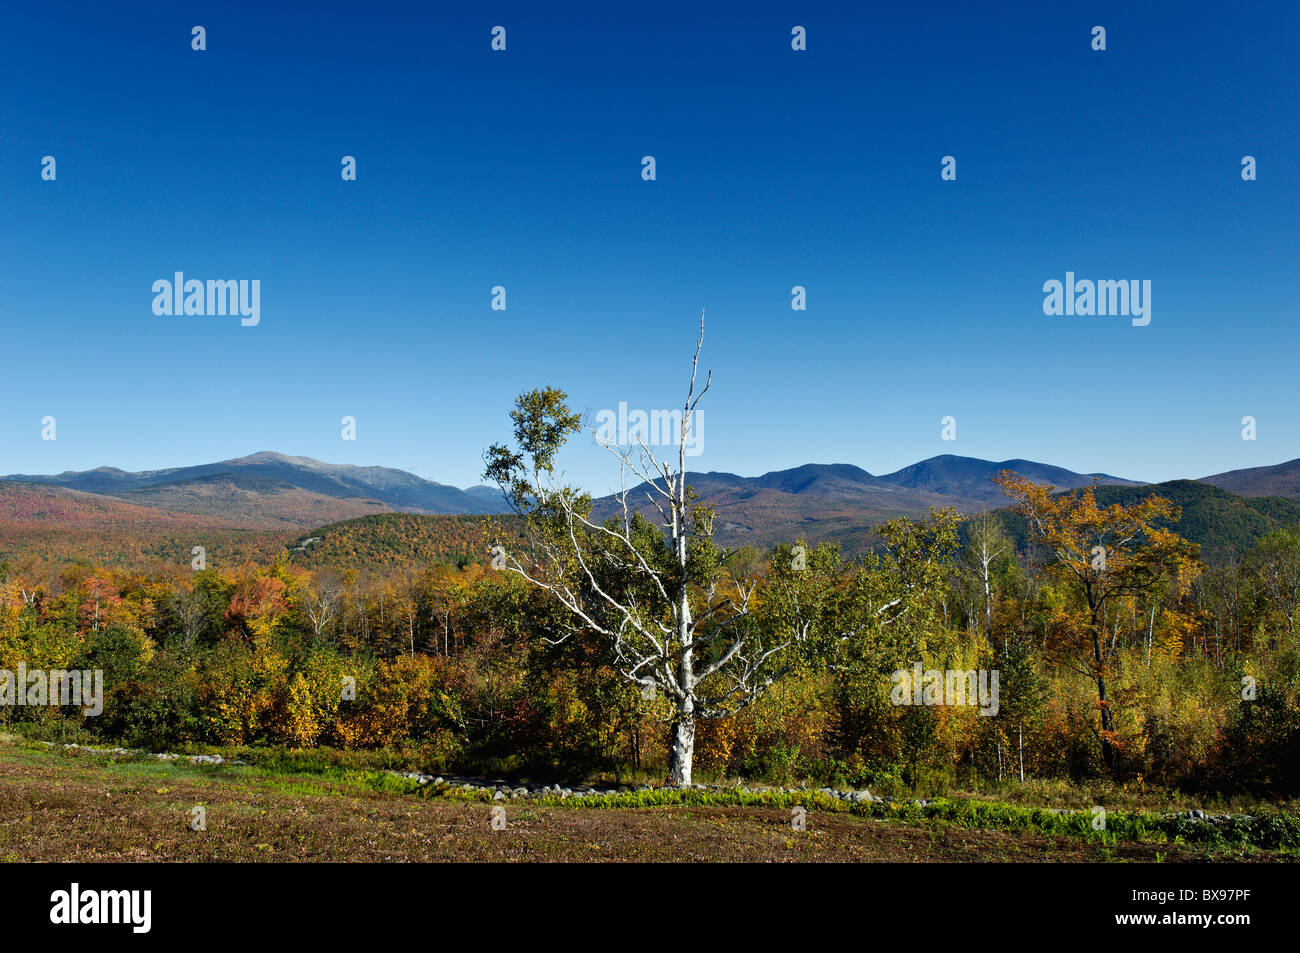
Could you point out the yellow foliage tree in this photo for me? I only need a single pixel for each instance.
(1100, 554)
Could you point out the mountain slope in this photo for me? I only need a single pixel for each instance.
(372, 489)
(969, 478)
(1225, 525)
(22, 505)
(841, 503)
(56, 526)
(390, 540)
(263, 501)
(1281, 479)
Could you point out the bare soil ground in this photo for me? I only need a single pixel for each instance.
(60, 806)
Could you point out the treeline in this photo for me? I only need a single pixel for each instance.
(465, 668)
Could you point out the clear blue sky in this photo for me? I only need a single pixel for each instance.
(775, 168)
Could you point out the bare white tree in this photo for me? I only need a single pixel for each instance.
(986, 544)
(187, 606)
(321, 600)
(652, 590)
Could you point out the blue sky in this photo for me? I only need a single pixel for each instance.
(775, 168)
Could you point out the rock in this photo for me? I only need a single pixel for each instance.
(499, 796)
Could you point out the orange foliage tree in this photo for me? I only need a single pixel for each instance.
(1101, 555)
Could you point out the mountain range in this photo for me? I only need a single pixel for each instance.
(840, 503)
(271, 488)
(272, 493)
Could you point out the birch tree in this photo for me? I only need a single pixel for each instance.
(986, 543)
(322, 595)
(647, 581)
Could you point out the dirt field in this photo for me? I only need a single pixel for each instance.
(57, 806)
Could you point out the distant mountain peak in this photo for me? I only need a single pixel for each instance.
(270, 456)
(950, 474)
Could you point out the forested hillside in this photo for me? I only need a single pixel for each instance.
(1225, 526)
(51, 526)
(401, 539)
